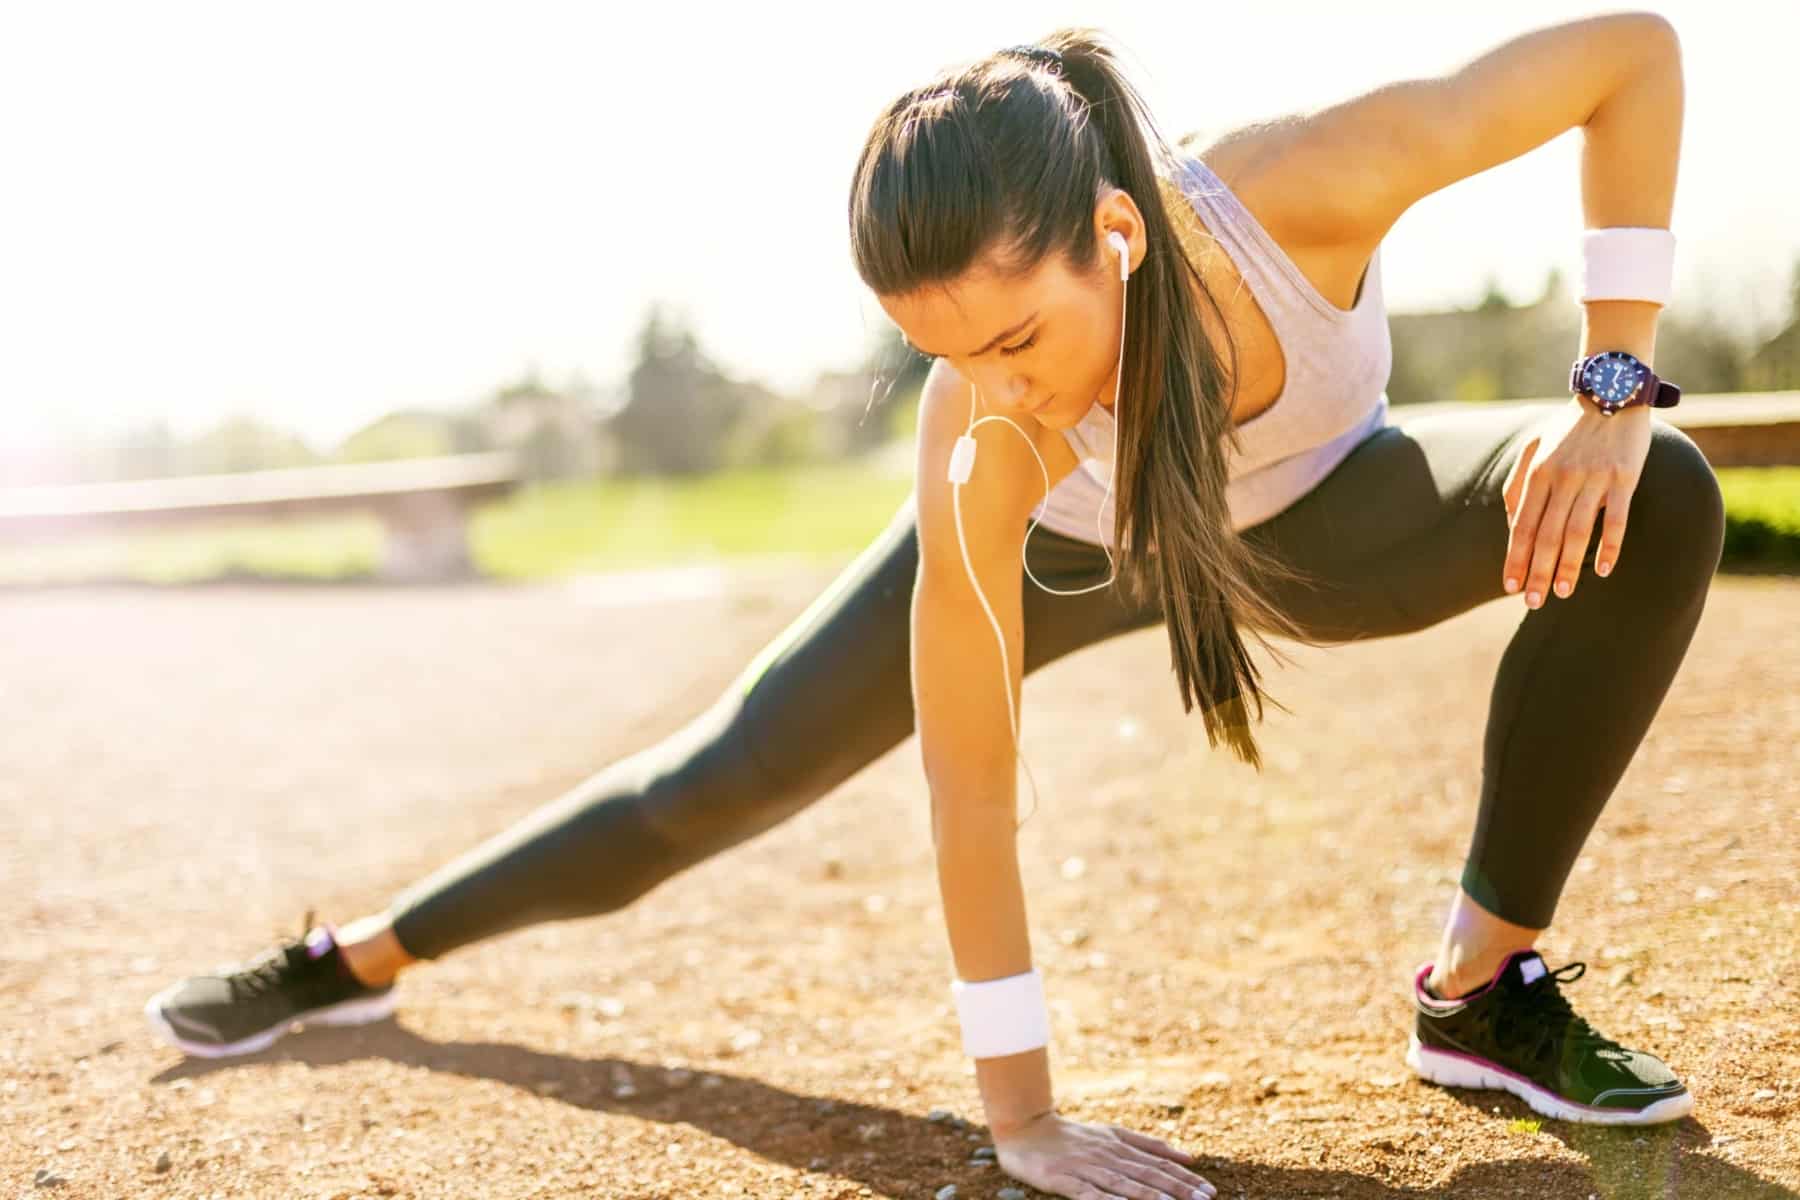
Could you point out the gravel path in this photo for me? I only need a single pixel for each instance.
(186, 772)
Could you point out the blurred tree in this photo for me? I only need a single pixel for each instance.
(399, 435)
(878, 402)
(554, 432)
(1701, 353)
(681, 410)
(150, 451)
(1499, 350)
(775, 431)
(1492, 297)
(243, 443)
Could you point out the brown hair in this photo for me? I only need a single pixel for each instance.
(1008, 157)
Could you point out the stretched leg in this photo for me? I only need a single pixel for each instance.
(829, 695)
(1411, 529)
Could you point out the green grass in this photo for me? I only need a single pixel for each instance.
(827, 511)
(824, 511)
(1762, 515)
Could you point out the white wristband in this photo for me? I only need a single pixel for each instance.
(1002, 1016)
(1627, 262)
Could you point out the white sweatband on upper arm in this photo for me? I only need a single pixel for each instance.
(1002, 1016)
(1627, 262)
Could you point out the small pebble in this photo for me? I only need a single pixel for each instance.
(162, 1162)
(1764, 1094)
(938, 1116)
(817, 1164)
(985, 1154)
(1009, 1194)
(46, 1178)
(947, 1192)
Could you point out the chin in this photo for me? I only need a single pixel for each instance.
(1066, 414)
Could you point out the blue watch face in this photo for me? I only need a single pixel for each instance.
(1613, 378)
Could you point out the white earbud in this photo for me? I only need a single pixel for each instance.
(1123, 249)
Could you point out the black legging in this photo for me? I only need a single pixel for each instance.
(1410, 529)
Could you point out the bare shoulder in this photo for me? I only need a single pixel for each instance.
(1263, 163)
(1007, 482)
(1234, 154)
(1268, 167)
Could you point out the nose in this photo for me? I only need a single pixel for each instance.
(1014, 391)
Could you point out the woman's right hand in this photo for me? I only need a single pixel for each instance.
(1097, 1162)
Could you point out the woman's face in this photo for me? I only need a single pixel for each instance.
(1046, 346)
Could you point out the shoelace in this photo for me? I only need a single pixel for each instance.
(266, 974)
(1542, 1011)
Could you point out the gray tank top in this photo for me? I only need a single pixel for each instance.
(1338, 363)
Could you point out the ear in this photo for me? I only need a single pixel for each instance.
(1117, 212)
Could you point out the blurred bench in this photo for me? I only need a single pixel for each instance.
(422, 503)
(1733, 429)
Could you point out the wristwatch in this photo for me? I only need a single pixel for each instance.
(1614, 380)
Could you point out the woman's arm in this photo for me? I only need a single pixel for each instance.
(965, 733)
(966, 740)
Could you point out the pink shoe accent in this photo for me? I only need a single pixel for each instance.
(320, 940)
(1430, 1001)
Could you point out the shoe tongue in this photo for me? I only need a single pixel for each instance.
(1526, 968)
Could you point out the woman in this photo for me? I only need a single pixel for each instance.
(1236, 408)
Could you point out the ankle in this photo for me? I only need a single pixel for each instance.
(371, 951)
(1467, 974)
(1446, 986)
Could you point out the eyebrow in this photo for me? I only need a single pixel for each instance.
(997, 339)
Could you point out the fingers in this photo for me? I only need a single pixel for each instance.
(1162, 1173)
(1134, 1182)
(1545, 511)
(1165, 1172)
(1156, 1146)
(1520, 500)
(1515, 478)
(1575, 537)
(1612, 536)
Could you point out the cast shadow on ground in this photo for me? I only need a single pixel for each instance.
(1625, 1162)
(797, 1130)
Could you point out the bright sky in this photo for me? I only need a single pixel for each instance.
(319, 214)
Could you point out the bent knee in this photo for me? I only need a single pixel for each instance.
(1677, 511)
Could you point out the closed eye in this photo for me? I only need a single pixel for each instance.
(1023, 346)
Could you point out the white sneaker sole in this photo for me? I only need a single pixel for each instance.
(1455, 1070)
(359, 1011)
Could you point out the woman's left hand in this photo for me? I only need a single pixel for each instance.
(1577, 463)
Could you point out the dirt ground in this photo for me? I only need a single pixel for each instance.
(186, 772)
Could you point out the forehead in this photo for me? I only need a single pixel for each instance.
(960, 317)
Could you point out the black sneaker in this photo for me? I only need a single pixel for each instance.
(1518, 1034)
(240, 1010)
